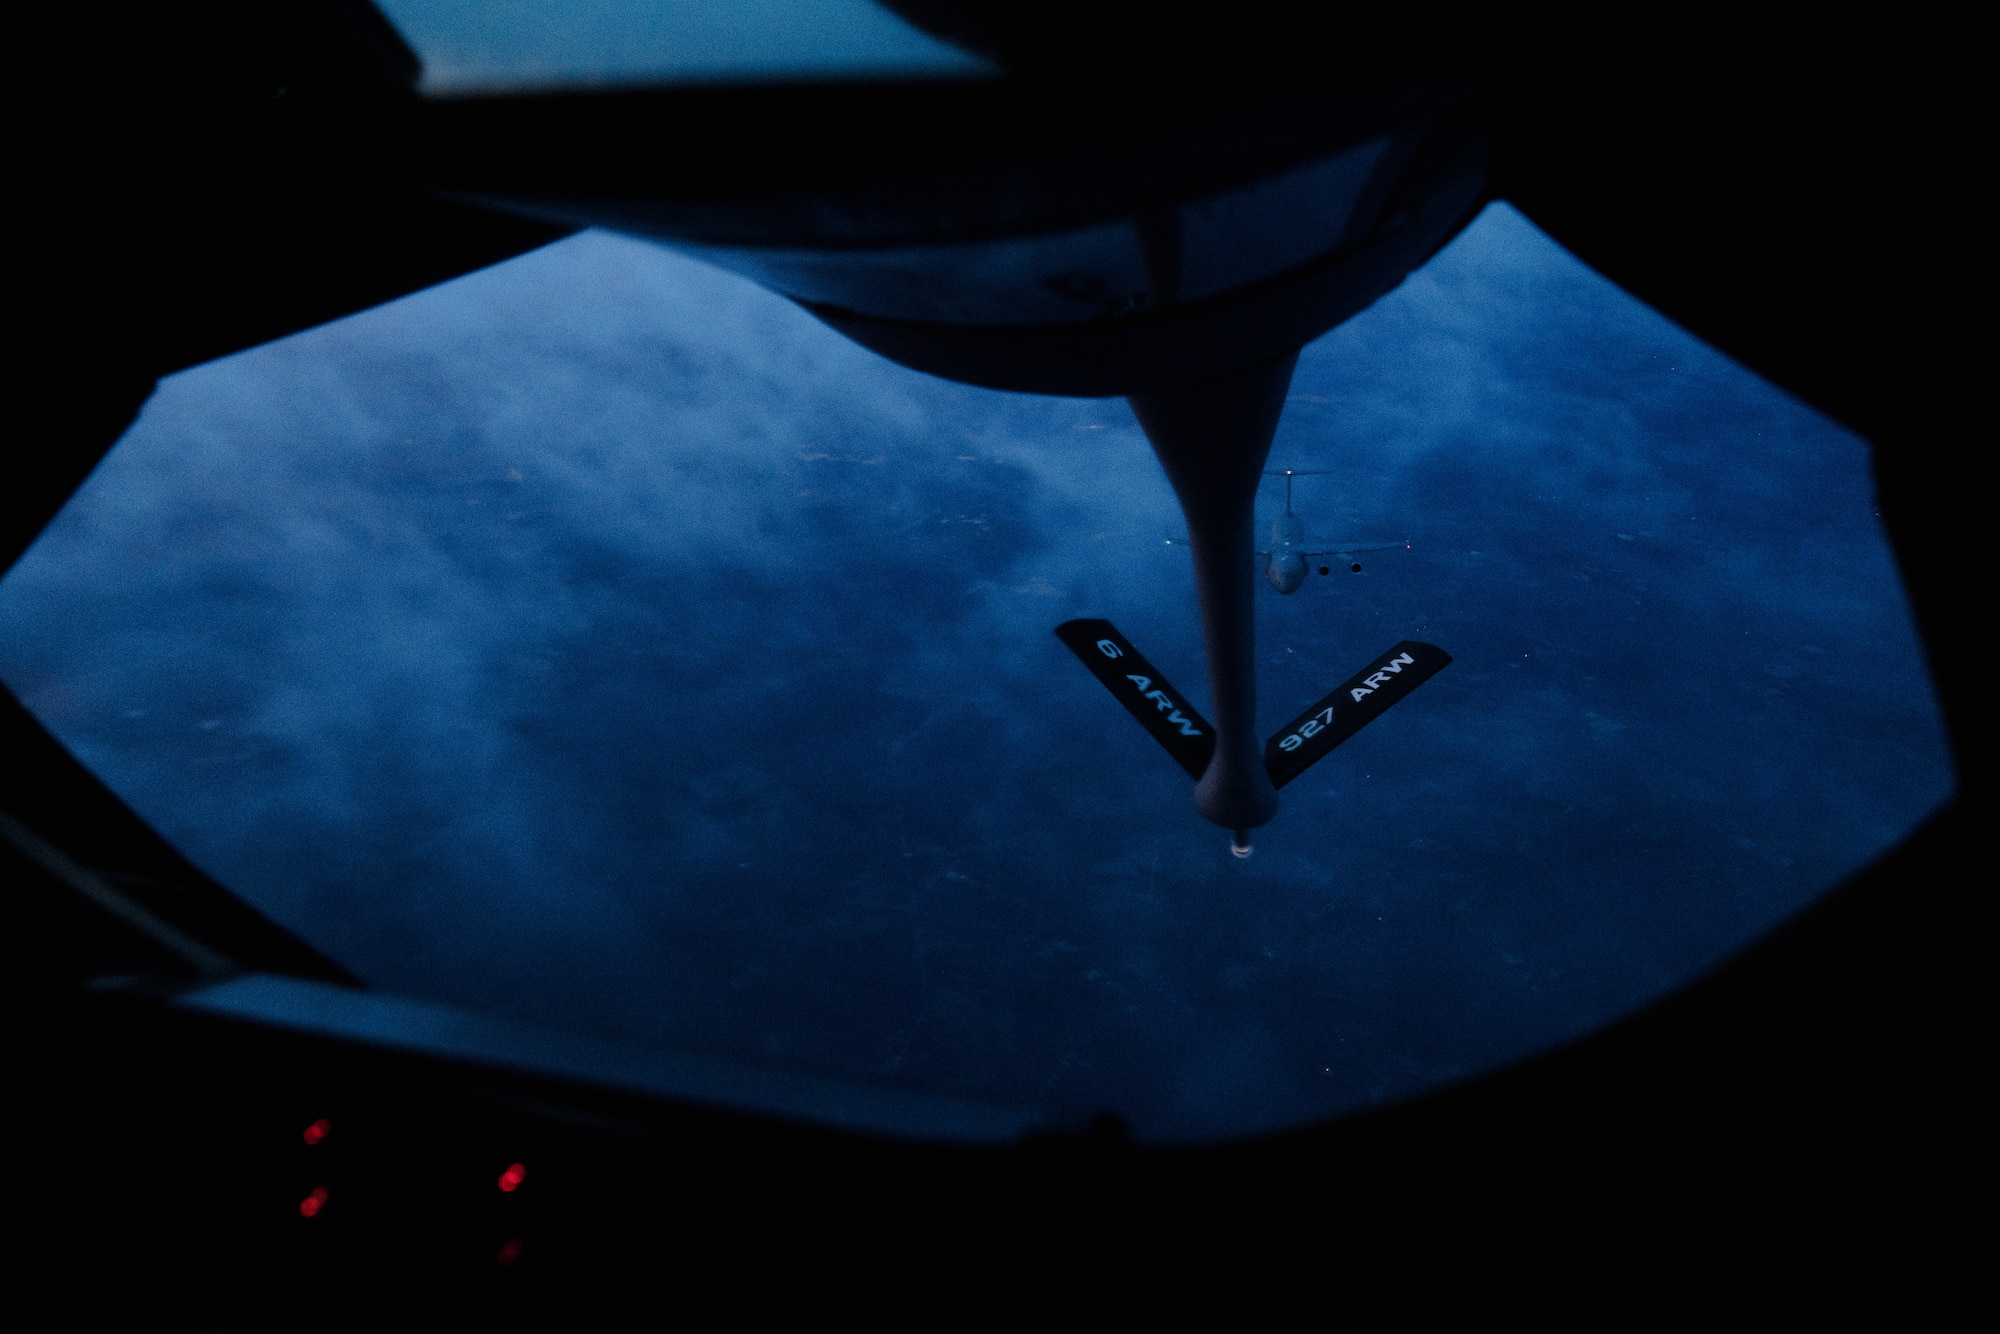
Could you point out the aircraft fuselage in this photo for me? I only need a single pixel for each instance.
(1285, 567)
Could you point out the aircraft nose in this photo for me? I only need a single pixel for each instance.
(1285, 573)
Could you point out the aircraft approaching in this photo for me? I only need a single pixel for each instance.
(1190, 739)
(1286, 559)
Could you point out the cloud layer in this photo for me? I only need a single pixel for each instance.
(599, 641)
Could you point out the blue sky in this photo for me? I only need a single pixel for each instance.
(600, 642)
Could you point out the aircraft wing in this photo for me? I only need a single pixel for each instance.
(1163, 711)
(1182, 542)
(1354, 703)
(1353, 548)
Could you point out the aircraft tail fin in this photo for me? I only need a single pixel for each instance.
(1353, 704)
(1162, 710)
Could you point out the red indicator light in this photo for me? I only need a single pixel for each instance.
(510, 1252)
(314, 1202)
(511, 1179)
(318, 1130)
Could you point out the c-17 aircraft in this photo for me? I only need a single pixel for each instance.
(1288, 556)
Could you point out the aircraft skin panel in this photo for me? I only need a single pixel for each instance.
(1351, 706)
(1146, 694)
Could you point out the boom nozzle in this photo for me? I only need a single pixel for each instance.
(1239, 843)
